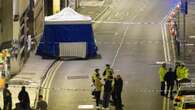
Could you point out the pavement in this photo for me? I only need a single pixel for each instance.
(32, 72)
(128, 37)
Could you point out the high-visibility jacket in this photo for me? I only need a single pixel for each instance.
(184, 72)
(93, 77)
(178, 73)
(98, 84)
(1, 58)
(108, 72)
(2, 83)
(162, 72)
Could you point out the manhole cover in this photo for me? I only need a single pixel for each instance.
(78, 77)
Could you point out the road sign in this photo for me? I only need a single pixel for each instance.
(184, 6)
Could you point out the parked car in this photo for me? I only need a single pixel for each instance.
(187, 103)
(184, 90)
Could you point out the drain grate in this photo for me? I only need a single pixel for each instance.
(78, 77)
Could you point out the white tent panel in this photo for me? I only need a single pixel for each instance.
(76, 49)
(67, 16)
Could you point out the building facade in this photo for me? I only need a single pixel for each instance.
(6, 21)
(19, 18)
(54, 6)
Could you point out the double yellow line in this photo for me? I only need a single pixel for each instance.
(49, 79)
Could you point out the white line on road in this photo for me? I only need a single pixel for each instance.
(86, 107)
(101, 13)
(164, 45)
(167, 43)
(121, 43)
(49, 79)
(166, 103)
(126, 23)
(116, 14)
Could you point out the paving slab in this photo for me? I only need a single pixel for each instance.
(31, 74)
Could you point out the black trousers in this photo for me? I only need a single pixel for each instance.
(106, 99)
(118, 101)
(7, 105)
(170, 87)
(97, 97)
(162, 88)
(114, 97)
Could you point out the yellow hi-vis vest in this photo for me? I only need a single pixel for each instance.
(2, 83)
(1, 58)
(184, 72)
(178, 73)
(93, 77)
(108, 72)
(162, 72)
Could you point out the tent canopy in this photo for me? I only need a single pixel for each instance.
(67, 16)
(65, 27)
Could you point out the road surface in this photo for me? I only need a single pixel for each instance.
(129, 38)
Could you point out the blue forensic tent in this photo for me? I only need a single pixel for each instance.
(67, 27)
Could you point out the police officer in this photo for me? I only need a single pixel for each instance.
(1, 64)
(184, 72)
(98, 88)
(7, 98)
(162, 72)
(108, 71)
(170, 78)
(93, 77)
(107, 91)
(118, 86)
(178, 76)
(1, 58)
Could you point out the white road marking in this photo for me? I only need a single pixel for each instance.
(127, 14)
(116, 33)
(126, 23)
(164, 45)
(191, 37)
(121, 43)
(116, 14)
(85, 107)
(189, 44)
(160, 62)
(167, 43)
(101, 13)
(164, 35)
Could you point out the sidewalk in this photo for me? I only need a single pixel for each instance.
(32, 73)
